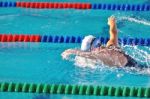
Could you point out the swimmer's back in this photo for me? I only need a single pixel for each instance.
(111, 57)
(115, 56)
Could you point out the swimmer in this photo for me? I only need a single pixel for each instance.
(111, 54)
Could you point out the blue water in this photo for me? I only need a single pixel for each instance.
(42, 62)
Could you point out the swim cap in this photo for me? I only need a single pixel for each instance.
(86, 43)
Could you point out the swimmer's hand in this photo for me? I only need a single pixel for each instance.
(67, 53)
(111, 21)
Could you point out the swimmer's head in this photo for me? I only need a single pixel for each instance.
(86, 43)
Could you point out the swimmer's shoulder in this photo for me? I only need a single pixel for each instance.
(112, 48)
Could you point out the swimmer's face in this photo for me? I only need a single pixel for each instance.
(102, 47)
(98, 48)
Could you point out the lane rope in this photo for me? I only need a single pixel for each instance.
(78, 5)
(68, 39)
(19, 38)
(121, 91)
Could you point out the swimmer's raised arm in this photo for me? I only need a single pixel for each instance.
(113, 40)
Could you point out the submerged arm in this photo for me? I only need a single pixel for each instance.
(77, 52)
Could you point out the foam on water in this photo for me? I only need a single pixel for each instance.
(139, 53)
(136, 20)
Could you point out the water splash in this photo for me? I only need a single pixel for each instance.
(140, 54)
(85, 62)
(136, 20)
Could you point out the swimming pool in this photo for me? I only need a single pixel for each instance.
(42, 62)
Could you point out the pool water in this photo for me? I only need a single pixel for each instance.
(42, 62)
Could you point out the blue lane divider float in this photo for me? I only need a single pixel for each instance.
(61, 39)
(95, 6)
(78, 39)
(7, 4)
(122, 7)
